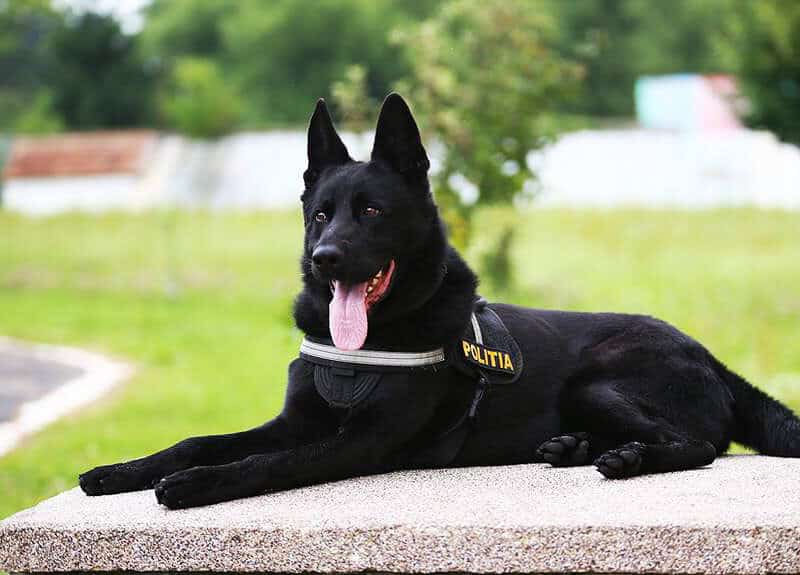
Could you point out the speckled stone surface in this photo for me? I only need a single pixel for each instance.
(741, 515)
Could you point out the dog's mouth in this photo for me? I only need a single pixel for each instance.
(351, 303)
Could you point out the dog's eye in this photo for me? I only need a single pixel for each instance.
(321, 217)
(371, 211)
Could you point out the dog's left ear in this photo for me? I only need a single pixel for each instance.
(397, 140)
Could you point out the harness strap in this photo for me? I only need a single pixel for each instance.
(372, 358)
(476, 328)
(345, 378)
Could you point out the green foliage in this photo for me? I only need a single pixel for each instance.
(309, 46)
(620, 40)
(39, 117)
(285, 54)
(213, 359)
(178, 28)
(486, 82)
(768, 48)
(282, 55)
(96, 76)
(198, 101)
(354, 106)
(497, 264)
(24, 28)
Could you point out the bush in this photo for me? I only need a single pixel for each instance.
(198, 101)
(487, 84)
(39, 117)
(769, 68)
(356, 109)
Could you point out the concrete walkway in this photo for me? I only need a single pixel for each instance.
(741, 515)
(25, 377)
(40, 383)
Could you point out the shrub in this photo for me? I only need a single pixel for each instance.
(198, 101)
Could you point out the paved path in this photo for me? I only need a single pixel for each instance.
(24, 377)
(741, 515)
(40, 383)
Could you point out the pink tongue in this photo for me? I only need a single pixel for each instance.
(348, 315)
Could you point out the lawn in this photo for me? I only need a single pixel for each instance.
(201, 304)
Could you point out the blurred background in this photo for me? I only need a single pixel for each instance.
(625, 155)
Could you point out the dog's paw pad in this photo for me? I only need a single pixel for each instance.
(624, 461)
(565, 450)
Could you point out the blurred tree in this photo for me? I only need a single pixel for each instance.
(283, 55)
(620, 40)
(198, 102)
(39, 117)
(24, 28)
(176, 28)
(486, 83)
(290, 55)
(768, 50)
(355, 108)
(599, 34)
(681, 35)
(96, 76)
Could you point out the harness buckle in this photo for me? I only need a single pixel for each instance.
(480, 391)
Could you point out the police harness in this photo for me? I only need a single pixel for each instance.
(486, 353)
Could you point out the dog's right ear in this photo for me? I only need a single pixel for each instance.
(325, 148)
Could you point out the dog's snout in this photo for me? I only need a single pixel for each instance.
(327, 257)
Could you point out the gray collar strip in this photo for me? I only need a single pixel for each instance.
(373, 357)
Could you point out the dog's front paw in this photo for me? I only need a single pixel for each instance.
(622, 462)
(119, 478)
(193, 487)
(565, 450)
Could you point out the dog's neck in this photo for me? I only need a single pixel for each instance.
(440, 319)
(430, 306)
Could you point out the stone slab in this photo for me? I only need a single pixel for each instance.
(741, 515)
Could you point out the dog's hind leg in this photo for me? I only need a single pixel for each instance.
(636, 458)
(625, 435)
(608, 419)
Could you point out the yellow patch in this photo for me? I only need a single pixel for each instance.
(487, 357)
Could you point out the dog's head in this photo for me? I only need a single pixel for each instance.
(370, 227)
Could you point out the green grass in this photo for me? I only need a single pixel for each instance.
(201, 304)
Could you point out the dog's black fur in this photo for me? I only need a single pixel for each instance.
(629, 393)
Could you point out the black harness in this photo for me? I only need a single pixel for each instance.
(486, 353)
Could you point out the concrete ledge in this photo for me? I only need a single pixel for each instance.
(742, 515)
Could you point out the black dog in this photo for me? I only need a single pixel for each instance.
(450, 380)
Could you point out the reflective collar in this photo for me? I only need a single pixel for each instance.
(370, 357)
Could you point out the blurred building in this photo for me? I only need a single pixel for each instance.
(658, 168)
(680, 169)
(687, 102)
(134, 170)
(83, 172)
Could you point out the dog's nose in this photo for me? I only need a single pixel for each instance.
(327, 257)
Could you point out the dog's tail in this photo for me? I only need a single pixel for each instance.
(762, 423)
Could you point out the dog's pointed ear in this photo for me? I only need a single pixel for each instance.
(397, 140)
(325, 148)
